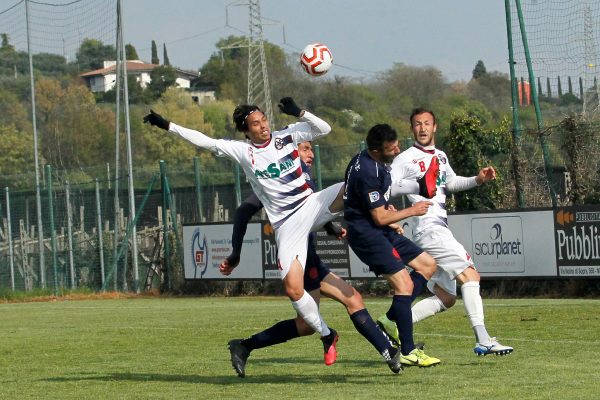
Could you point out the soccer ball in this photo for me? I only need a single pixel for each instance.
(316, 59)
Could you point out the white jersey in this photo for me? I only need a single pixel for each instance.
(412, 164)
(273, 169)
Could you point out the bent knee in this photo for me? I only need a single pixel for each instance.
(448, 302)
(424, 264)
(355, 302)
(294, 293)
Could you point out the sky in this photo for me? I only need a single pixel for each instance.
(365, 37)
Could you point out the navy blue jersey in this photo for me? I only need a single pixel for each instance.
(368, 186)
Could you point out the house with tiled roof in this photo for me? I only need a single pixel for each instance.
(104, 79)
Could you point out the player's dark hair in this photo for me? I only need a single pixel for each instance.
(240, 114)
(380, 134)
(421, 110)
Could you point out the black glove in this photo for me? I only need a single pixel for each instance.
(288, 106)
(333, 229)
(156, 120)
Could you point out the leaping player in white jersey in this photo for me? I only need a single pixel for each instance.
(432, 234)
(272, 166)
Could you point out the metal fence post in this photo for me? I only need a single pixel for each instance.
(100, 240)
(10, 243)
(165, 205)
(52, 230)
(197, 182)
(238, 186)
(70, 233)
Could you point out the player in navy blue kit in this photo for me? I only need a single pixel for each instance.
(316, 277)
(375, 237)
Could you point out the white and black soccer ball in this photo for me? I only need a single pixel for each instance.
(316, 59)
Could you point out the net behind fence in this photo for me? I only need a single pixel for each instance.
(564, 44)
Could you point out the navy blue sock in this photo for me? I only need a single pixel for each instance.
(278, 333)
(401, 313)
(365, 325)
(419, 283)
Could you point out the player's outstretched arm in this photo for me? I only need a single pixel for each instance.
(309, 127)
(404, 186)
(195, 137)
(243, 214)
(383, 216)
(457, 183)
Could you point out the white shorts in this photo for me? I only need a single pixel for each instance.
(450, 256)
(292, 235)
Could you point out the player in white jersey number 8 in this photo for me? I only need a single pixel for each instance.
(432, 234)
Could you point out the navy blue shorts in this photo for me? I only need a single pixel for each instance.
(384, 251)
(314, 270)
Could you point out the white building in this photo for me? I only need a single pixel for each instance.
(104, 79)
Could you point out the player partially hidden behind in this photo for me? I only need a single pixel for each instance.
(316, 277)
(432, 234)
(375, 237)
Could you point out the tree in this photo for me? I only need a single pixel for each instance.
(154, 59)
(560, 93)
(13, 111)
(162, 77)
(92, 53)
(131, 52)
(77, 132)
(465, 148)
(493, 90)
(136, 94)
(479, 70)
(6, 46)
(165, 56)
(16, 157)
(403, 87)
(227, 70)
(154, 145)
(579, 140)
(570, 86)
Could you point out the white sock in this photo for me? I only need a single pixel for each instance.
(324, 328)
(307, 308)
(474, 308)
(427, 308)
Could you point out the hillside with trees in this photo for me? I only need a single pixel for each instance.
(77, 127)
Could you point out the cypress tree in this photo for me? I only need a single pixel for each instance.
(165, 56)
(154, 59)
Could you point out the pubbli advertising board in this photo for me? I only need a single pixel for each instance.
(563, 242)
(577, 235)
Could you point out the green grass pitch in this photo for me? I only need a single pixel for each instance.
(175, 348)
